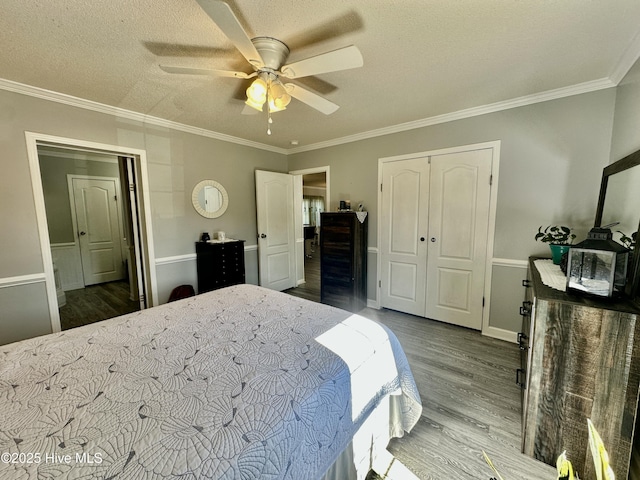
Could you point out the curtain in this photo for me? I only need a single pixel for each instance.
(311, 209)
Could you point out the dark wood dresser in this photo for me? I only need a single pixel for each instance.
(220, 264)
(343, 260)
(581, 360)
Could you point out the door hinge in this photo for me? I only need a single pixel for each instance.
(483, 301)
(491, 179)
(132, 187)
(142, 299)
(380, 187)
(380, 283)
(115, 197)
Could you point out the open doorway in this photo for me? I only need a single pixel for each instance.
(92, 208)
(90, 233)
(314, 201)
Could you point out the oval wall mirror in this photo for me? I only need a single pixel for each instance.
(210, 199)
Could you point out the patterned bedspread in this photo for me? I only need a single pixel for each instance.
(232, 384)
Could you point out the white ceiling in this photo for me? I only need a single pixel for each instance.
(422, 58)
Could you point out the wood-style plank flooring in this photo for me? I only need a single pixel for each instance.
(96, 302)
(470, 403)
(470, 399)
(309, 290)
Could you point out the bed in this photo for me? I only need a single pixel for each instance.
(239, 383)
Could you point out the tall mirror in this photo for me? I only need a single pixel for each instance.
(619, 202)
(209, 199)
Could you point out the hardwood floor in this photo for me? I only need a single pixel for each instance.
(96, 302)
(311, 288)
(470, 403)
(470, 399)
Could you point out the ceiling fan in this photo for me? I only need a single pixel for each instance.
(267, 56)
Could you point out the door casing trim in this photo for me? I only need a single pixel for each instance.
(32, 141)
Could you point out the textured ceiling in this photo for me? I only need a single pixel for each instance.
(422, 58)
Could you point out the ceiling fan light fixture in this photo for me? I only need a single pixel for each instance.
(275, 106)
(256, 105)
(268, 57)
(278, 96)
(257, 93)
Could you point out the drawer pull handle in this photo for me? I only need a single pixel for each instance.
(521, 340)
(525, 309)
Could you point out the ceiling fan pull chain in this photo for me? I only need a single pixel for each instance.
(269, 120)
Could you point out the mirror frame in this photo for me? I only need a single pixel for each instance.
(196, 203)
(630, 161)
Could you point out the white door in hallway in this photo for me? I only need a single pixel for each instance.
(458, 227)
(405, 214)
(276, 230)
(97, 212)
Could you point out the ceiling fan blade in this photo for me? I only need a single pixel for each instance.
(226, 20)
(341, 59)
(206, 71)
(313, 100)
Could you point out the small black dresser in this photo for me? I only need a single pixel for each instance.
(343, 260)
(220, 264)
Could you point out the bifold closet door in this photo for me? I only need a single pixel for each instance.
(405, 213)
(434, 226)
(459, 218)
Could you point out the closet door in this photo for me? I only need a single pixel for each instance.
(458, 227)
(403, 246)
(433, 235)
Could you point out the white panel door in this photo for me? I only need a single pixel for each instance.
(98, 222)
(276, 233)
(459, 218)
(405, 213)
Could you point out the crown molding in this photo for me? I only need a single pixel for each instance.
(558, 93)
(128, 114)
(626, 62)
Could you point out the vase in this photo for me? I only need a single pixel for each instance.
(557, 251)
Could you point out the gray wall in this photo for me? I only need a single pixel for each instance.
(176, 162)
(552, 155)
(626, 123)
(551, 162)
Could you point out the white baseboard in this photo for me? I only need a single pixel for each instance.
(373, 304)
(501, 334)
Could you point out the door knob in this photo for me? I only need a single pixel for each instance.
(422, 239)
(433, 239)
(262, 235)
(83, 233)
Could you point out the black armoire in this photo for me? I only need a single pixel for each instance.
(343, 260)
